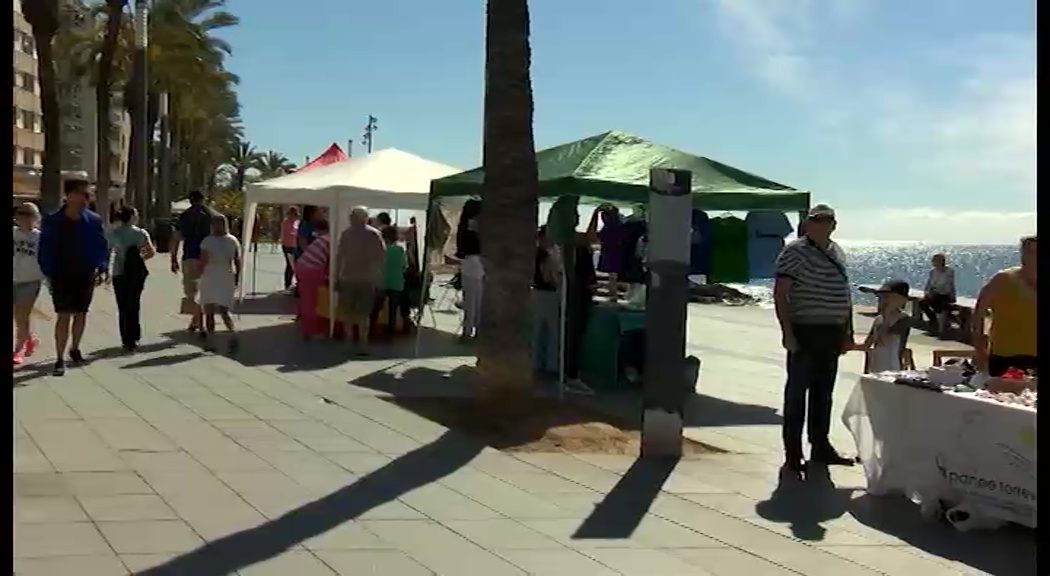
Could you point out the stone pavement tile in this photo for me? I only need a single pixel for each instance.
(274, 504)
(48, 509)
(440, 549)
(130, 434)
(575, 505)
(89, 400)
(680, 482)
(815, 533)
(371, 563)
(542, 483)
(556, 563)
(71, 446)
(150, 536)
(59, 539)
(501, 534)
(617, 463)
(442, 503)
(162, 462)
(228, 457)
(215, 516)
(395, 510)
(651, 532)
(140, 562)
(889, 560)
(309, 469)
(259, 481)
(258, 436)
(149, 403)
(360, 463)
(214, 407)
(391, 416)
(736, 505)
(642, 562)
(508, 500)
(97, 565)
(80, 484)
(729, 562)
(290, 564)
(189, 481)
(126, 508)
(29, 458)
(375, 436)
(572, 468)
(273, 410)
(188, 434)
(349, 535)
(319, 437)
(40, 402)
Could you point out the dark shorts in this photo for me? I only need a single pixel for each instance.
(72, 294)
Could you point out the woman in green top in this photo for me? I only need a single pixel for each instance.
(394, 266)
(131, 246)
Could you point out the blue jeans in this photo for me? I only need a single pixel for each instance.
(546, 330)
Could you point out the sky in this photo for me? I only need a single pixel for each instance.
(915, 120)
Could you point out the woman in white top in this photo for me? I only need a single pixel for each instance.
(221, 262)
(940, 291)
(27, 278)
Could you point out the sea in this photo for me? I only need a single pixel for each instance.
(875, 262)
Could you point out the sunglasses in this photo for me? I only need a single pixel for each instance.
(822, 219)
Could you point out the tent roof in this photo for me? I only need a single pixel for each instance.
(614, 167)
(330, 156)
(387, 178)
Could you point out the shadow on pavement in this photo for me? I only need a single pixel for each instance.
(242, 549)
(160, 361)
(700, 410)
(270, 304)
(1008, 551)
(618, 515)
(282, 345)
(804, 505)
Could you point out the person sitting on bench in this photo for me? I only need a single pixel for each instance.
(940, 291)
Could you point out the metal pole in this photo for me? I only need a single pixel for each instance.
(350, 148)
(141, 143)
(669, 377)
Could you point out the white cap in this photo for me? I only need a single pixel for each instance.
(821, 210)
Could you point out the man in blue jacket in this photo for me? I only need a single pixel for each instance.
(74, 257)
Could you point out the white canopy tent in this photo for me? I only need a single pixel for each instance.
(388, 179)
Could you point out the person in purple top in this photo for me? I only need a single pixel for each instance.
(74, 257)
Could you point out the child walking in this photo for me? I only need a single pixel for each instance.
(27, 278)
(394, 267)
(888, 337)
(221, 262)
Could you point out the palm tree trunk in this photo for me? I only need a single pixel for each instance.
(507, 224)
(50, 108)
(104, 98)
(152, 159)
(132, 194)
(163, 205)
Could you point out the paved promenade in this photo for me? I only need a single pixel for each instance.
(286, 460)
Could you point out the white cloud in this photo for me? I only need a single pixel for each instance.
(970, 138)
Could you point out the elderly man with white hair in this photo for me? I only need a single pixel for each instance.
(359, 269)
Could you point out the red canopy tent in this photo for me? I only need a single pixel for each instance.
(331, 156)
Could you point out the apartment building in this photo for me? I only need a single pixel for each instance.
(78, 108)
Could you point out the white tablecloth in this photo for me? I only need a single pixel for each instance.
(946, 446)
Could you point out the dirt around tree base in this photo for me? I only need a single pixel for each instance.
(544, 425)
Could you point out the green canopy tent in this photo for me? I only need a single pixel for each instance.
(614, 167)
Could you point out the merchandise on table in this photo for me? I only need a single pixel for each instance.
(1025, 398)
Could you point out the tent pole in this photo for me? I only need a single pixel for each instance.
(424, 293)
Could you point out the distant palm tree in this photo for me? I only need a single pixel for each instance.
(273, 164)
(508, 217)
(241, 157)
(43, 16)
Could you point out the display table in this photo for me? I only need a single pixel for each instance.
(946, 446)
(600, 352)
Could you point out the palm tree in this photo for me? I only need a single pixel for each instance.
(242, 157)
(43, 16)
(273, 164)
(509, 196)
(114, 11)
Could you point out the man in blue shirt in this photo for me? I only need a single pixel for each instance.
(74, 257)
(193, 227)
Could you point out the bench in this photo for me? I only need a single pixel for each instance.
(961, 310)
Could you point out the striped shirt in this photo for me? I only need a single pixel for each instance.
(316, 254)
(820, 292)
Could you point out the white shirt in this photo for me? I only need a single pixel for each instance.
(26, 267)
(941, 281)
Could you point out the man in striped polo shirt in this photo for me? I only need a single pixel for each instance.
(815, 311)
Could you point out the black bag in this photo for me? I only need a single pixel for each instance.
(135, 269)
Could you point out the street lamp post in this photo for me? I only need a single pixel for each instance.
(370, 130)
(140, 146)
(670, 377)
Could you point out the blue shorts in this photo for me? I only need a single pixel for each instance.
(27, 291)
